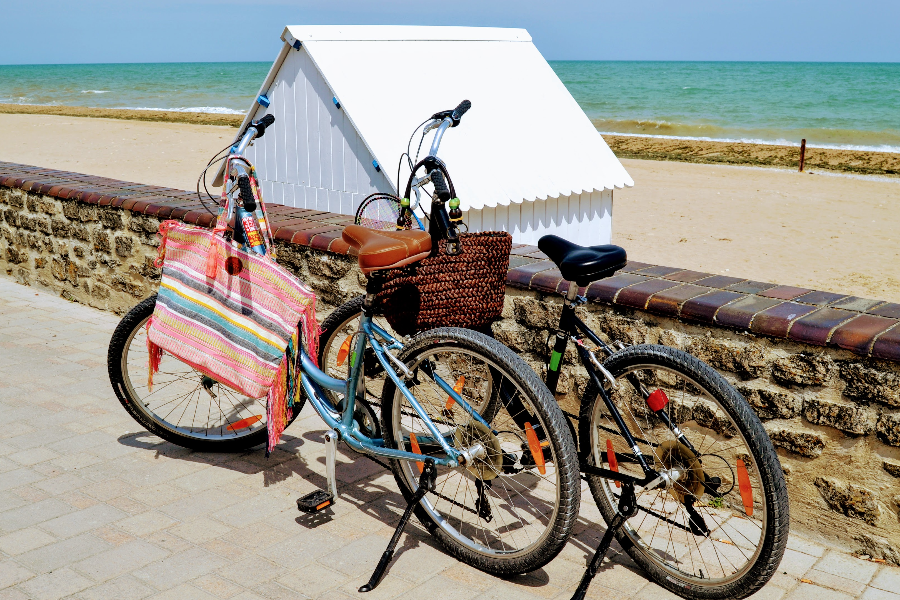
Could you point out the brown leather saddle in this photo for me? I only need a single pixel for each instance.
(381, 250)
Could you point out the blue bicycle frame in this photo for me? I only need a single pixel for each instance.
(341, 419)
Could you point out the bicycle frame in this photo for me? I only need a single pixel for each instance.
(340, 419)
(571, 327)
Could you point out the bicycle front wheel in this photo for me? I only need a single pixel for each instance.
(512, 509)
(184, 407)
(721, 529)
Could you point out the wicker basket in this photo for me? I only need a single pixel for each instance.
(465, 290)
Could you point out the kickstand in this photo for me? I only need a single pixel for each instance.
(627, 509)
(426, 484)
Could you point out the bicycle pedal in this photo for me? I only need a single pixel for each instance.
(315, 501)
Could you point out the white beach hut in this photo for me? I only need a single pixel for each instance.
(525, 159)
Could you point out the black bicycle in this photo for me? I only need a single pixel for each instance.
(679, 465)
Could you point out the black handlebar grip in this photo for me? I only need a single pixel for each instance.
(246, 193)
(440, 185)
(261, 124)
(459, 111)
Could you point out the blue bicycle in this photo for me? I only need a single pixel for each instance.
(477, 444)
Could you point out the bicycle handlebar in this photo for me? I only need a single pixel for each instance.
(459, 111)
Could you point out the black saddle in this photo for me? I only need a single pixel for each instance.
(583, 264)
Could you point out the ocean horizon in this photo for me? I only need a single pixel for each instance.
(831, 105)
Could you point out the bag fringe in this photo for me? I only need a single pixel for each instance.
(154, 356)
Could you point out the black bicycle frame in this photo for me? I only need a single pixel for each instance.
(571, 327)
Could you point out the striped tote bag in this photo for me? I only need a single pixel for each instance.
(235, 316)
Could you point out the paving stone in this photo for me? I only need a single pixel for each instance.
(84, 520)
(122, 588)
(844, 565)
(179, 568)
(879, 594)
(796, 563)
(24, 540)
(120, 560)
(12, 573)
(55, 585)
(440, 587)
(200, 530)
(888, 579)
(183, 592)
(835, 582)
(312, 580)
(65, 552)
(145, 523)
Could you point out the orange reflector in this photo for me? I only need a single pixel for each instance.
(457, 387)
(415, 448)
(344, 351)
(611, 459)
(323, 505)
(744, 485)
(535, 446)
(244, 423)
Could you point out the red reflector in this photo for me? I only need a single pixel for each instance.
(745, 487)
(657, 400)
(244, 423)
(611, 459)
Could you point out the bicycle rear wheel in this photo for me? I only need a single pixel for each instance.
(720, 531)
(512, 510)
(184, 407)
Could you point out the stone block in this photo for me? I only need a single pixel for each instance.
(746, 359)
(878, 547)
(16, 199)
(111, 218)
(804, 369)
(851, 418)
(849, 499)
(15, 255)
(329, 266)
(101, 241)
(80, 212)
(124, 246)
(535, 313)
(892, 468)
(804, 443)
(60, 227)
(888, 429)
(771, 404)
(870, 385)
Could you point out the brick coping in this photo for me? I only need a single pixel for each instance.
(862, 326)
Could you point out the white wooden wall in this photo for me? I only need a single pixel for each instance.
(312, 157)
(585, 219)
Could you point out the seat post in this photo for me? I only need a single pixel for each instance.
(573, 291)
(373, 285)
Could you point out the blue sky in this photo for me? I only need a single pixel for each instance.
(90, 31)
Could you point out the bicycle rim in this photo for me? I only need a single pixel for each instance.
(661, 530)
(482, 508)
(185, 402)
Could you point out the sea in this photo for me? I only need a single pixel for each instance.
(837, 105)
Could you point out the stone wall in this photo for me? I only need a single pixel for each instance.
(833, 414)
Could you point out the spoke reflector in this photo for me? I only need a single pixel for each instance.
(611, 459)
(414, 443)
(244, 423)
(535, 446)
(457, 387)
(344, 351)
(744, 485)
(657, 400)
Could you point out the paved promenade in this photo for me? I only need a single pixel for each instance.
(92, 507)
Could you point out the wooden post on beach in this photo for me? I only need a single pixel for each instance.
(802, 153)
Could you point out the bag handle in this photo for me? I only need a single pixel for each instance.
(227, 209)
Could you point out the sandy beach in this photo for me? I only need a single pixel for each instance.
(822, 230)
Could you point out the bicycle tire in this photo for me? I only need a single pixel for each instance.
(765, 467)
(555, 524)
(121, 365)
